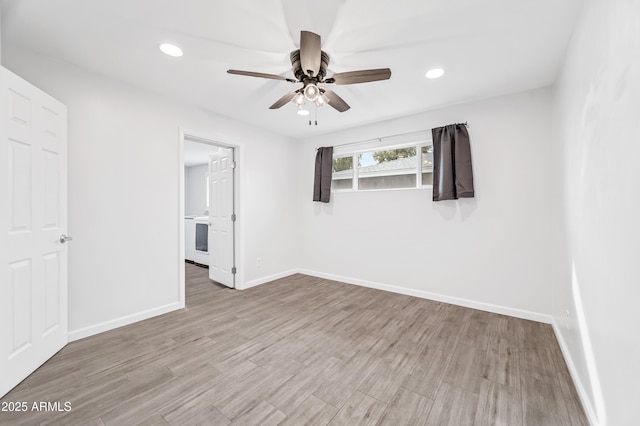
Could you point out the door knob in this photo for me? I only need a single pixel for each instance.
(64, 238)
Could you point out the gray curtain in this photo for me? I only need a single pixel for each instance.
(322, 180)
(452, 171)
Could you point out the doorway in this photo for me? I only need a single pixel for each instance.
(208, 208)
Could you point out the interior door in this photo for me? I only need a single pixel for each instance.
(221, 217)
(33, 216)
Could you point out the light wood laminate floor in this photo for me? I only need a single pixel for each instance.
(304, 350)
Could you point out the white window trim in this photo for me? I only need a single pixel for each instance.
(378, 145)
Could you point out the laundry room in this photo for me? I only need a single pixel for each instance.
(196, 201)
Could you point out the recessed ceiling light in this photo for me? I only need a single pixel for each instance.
(434, 73)
(303, 112)
(171, 50)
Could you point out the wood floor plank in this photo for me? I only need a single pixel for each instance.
(538, 347)
(361, 409)
(445, 335)
(407, 408)
(343, 383)
(257, 388)
(498, 405)
(139, 408)
(104, 391)
(420, 326)
(207, 416)
(312, 412)
(453, 406)
(426, 376)
(543, 401)
(295, 391)
(466, 368)
(476, 331)
(502, 363)
(305, 350)
(571, 399)
(154, 420)
(263, 414)
(382, 384)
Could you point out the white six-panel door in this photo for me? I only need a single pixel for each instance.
(221, 225)
(33, 217)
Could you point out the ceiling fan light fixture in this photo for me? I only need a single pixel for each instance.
(299, 99)
(171, 50)
(303, 112)
(311, 92)
(434, 73)
(309, 65)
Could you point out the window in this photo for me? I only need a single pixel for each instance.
(342, 173)
(384, 168)
(427, 165)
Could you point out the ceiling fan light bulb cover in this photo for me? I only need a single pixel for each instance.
(299, 99)
(311, 92)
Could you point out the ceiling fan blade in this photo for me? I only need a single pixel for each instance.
(261, 75)
(283, 100)
(310, 52)
(335, 101)
(362, 76)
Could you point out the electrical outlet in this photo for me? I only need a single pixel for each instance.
(258, 262)
(567, 314)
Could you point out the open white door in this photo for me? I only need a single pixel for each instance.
(33, 216)
(221, 217)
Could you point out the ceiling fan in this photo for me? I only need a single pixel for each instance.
(309, 65)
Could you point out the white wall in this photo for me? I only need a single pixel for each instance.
(595, 215)
(491, 252)
(123, 192)
(0, 34)
(195, 190)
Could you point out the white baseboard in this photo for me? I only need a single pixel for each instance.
(267, 279)
(130, 319)
(582, 393)
(518, 313)
(122, 321)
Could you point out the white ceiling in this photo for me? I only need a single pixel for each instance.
(488, 48)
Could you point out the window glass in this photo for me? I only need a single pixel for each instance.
(403, 166)
(427, 165)
(395, 168)
(342, 176)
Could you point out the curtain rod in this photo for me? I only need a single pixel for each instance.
(391, 136)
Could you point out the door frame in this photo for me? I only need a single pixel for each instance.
(195, 136)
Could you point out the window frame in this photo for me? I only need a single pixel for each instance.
(353, 159)
(355, 153)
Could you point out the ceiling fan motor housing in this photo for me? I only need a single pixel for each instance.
(296, 66)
